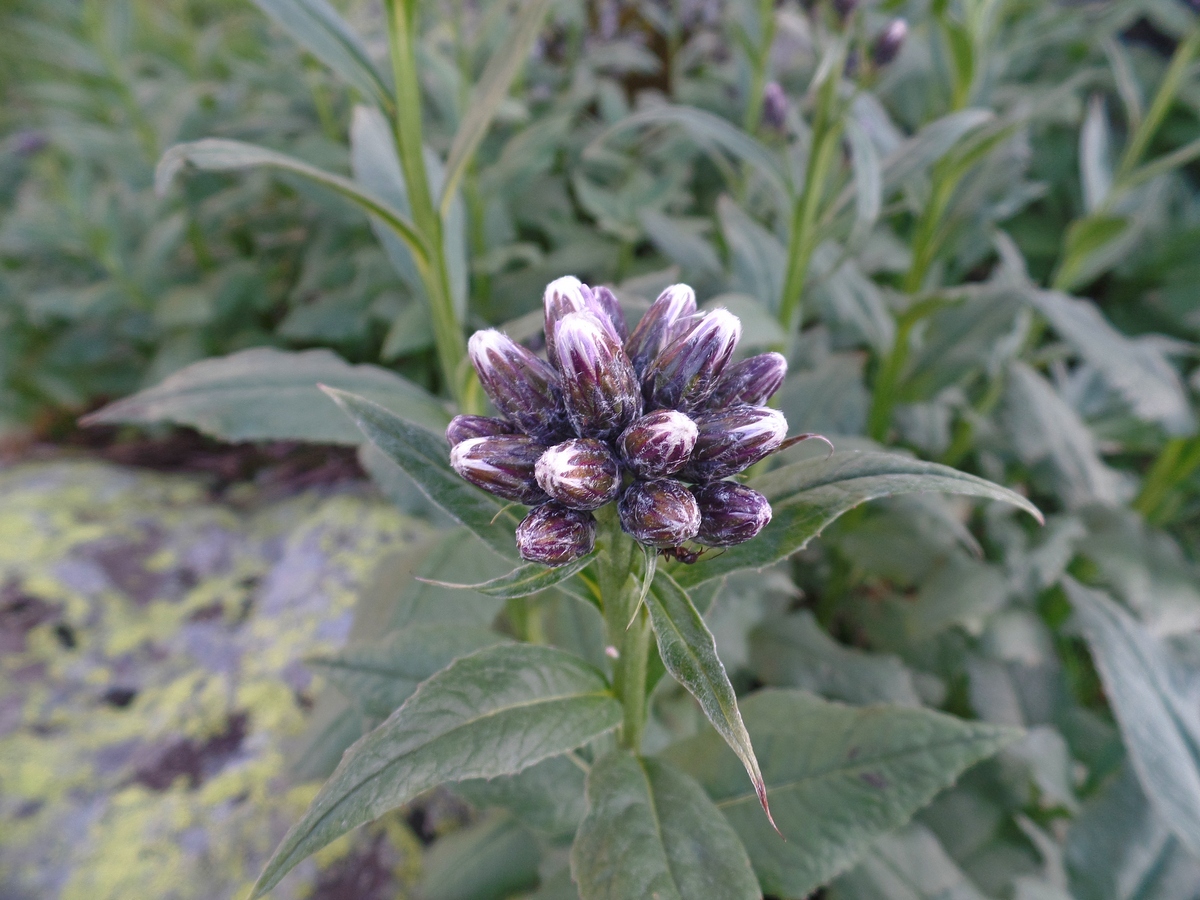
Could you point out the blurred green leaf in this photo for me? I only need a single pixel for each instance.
(525, 579)
(838, 778)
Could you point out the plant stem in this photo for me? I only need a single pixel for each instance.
(1163, 99)
(629, 681)
(759, 64)
(447, 331)
(827, 132)
(1179, 458)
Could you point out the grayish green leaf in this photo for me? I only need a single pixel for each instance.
(1153, 705)
(487, 860)
(317, 27)
(380, 675)
(838, 779)
(688, 651)
(426, 458)
(1095, 159)
(492, 713)
(806, 496)
(219, 155)
(268, 394)
(794, 651)
(683, 246)
(758, 257)
(907, 865)
(650, 832)
(547, 797)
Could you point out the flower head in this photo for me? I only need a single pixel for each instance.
(654, 419)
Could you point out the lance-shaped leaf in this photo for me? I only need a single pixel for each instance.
(489, 93)
(492, 713)
(318, 28)
(426, 458)
(650, 831)
(380, 675)
(219, 155)
(838, 778)
(808, 495)
(689, 653)
(523, 580)
(267, 394)
(1154, 704)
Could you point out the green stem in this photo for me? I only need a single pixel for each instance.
(629, 681)
(759, 64)
(803, 240)
(448, 336)
(1179, 458)
(1163, 99)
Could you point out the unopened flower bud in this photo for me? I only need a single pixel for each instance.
(750, 382)
(463, 427)
(844, 8)
(502, 465)
(732, 440)
(522, 387)
(580, 474)
(599, 384)
(606, 301)
(660, 325)
(685, 374)
(775, 106)
(659, 443)
(887, 46)
(730, 513)
(660, 513)
(553, 535)
(567, 295)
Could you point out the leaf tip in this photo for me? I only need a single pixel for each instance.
(760, 788)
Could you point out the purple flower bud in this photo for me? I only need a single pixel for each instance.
(580, 474)
(463, 427)
(887, 45)
(502, 465)
(599, 384)
(844, 8)
(733, 439)
(775, 106)
(750, 382)
(523, 388)
(660, 325)
(568, 295)
(730, 513)
(660, 513)
(686, 372)
(553, 535)
(606, 301)
(658, 443)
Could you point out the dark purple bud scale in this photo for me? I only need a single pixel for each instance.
(734, 439)
(752, 382)
(598, 382)
(661, 325)
(553, 535)
(522, 387)
(607, 302)
(659, 513)
(463, 427)
(502, 465)
(686, 372)
(658, 444)
(775, 106)
(730, 513)
(887, 46)
(581, 474)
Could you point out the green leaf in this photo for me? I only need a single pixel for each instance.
(651, 832)
(1149, 695)
(806, 496)
(489, 93)
(547, 797)
(219, 155)
(268, 394)
(492, 713)
(838, 778)
(689, 653)
(709, 129)
(524, 580)
(1095, 159)
(317, 27)
(488, 860)
(426, 458)
(380, 675)
(909, 864)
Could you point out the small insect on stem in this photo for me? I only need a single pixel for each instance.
(683, 554)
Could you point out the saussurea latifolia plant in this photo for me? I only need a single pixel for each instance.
(655, 420)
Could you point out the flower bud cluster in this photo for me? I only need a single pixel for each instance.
(654, 420)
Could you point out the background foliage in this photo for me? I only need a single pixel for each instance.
(980, 254)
